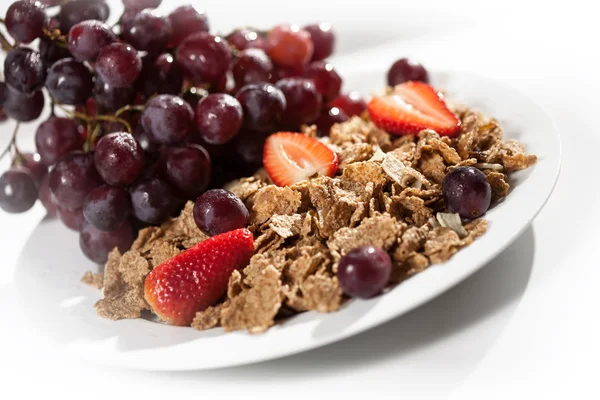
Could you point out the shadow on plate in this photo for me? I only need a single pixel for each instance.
(495, 289)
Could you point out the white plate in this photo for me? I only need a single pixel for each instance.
(52, 297)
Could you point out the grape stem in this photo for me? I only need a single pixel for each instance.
(5, 44)
(87, 118)
(12, 144)
(56, 36)
(128, 108)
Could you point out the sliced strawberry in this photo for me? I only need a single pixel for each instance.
(292, 157)
(195, 279)
(412, 107)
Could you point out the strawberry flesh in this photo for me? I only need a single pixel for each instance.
(197, 278)
(412, 107)
(292, 157)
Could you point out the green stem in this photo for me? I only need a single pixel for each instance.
(5, 44)
(12, 144)
(87, 118)
(128, 108)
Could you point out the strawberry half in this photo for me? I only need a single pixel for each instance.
(195, 279)
(410, 108)
(292, 157)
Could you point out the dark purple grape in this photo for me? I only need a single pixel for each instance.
(142, 138)
(303, 102)
(326, 79)
(218, 211)
(23, 107)
(405, 70)
(139, 5)
(32, 163)
(148, 31)
(25, 20)
(204, 57)
(364, 272)
(69, 82)
(248, 148)
(51, 3)
(263, 105)
(88, 38)
(72, 218)
(252, 66)
(55, 138)
(107, 207)
(51, 52)
(72, 178)
(218, 118)
(323, 39)
(160, 75)
(126, 19)
(152, 201)
(185, 21)
(76, 11)
(350, 103)
(96, 244)
(167, 119)
(289, 46)
(246, 38)
(119, 159)
(119, 65)
(46, 197)
(188, 170)
(329, 117)
(467, 192)
(18, 192)
(110, 98)
(24, 70)
(280, 73)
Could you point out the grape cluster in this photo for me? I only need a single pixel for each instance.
(151, 112)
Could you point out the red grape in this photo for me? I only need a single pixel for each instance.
(248, 147)
(160, 75)
(323, 40)
(72, 178)
(329, 117)
(72, 218)
(188, 170)
(148, 31)
(87, 38)
(364, 272)
(24, 70)
(252, 66)
(246, 38)
(327, 80)
(76, 11)
(152, 201)
(119, 65)
(139, 5)
(186, 20)
(55, 138)
(289, 46)
(204, 57)
(218, 211)
(167, 119)
(405, 70)
(303, 102)
(25, 20)
(23, 107)
(46, 197)
(263, 105)
(350, 103)
(69, 82)
(218, 118)
(18, 192)
(110, 98)
(96, 244)
(467, 192)
(107, 207)
(119, 159)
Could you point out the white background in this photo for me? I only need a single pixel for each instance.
(526, 326)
